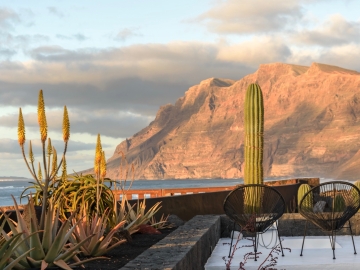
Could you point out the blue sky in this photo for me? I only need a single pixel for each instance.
(114, 63)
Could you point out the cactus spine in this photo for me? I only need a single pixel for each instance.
(303, 189)
(254, 135)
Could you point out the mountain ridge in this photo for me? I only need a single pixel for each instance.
(312, 127)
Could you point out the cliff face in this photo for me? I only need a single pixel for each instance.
(312, 127)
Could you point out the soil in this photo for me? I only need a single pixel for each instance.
(121, 255)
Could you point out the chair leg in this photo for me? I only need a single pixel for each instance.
(352, 236)
(256, 245)
(232, 236)
(277, 228)
(333, 241)
(302, 247)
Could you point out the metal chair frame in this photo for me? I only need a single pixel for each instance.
(265, 220)
(327, 192)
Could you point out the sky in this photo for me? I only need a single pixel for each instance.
(114, 63)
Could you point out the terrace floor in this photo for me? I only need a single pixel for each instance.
(317, 253)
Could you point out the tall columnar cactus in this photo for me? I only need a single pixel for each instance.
(254, 135)
(339, 203)
(303, 189)
(357, 184)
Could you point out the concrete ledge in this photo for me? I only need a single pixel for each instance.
(188, 247)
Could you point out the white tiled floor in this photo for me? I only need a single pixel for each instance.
(317, 253)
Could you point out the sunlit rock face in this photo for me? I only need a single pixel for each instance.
(312, 127)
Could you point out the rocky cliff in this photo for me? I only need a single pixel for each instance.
(312, 127)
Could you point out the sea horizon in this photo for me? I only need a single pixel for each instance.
(16, 185)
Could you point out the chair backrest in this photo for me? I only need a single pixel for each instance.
(330, 205)
(254, 203)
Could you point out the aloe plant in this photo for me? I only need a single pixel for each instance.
(77, 191)
(102, 241)
(43, 179)
(48, 248)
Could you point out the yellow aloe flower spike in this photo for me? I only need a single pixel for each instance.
(54, 162)
(98, 153)
(49, 147)
(21, 129)
(66, 125)
(64, 172)
(39, 173)
(31, 154)
(103, 165)
(42, 117)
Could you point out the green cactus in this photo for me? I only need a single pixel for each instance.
(357, 184)
(355, 193)
(254, 135)
(303, 189)
(339, 204)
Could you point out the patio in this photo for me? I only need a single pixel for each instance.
(317, 253)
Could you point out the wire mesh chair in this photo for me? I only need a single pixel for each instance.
(330, 206)
(255, 208)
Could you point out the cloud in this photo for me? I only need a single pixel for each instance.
(55, 11)
(78, 37)
(6, 53)
(110, 123)
(8, 18)
(125, 34)
(256, 51)
(251, 16)
(10, 146)
(334, 31)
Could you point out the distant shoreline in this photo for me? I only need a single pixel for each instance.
(14, 177)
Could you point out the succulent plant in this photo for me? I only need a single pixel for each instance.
(102, 241)
(254, 135)
(43, 177)
(43, 248)
(303, 189)
(77, 191)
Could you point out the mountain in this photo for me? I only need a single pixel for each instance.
(312, 127)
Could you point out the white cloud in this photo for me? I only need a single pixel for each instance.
(334, 31)
(251, 16)
(126, 33)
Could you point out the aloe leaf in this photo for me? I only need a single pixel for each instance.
(58, 243)
(89, 260)
(70, 252)
(34, 263)
(44, 265)
(62, 265)
(110, 248)
(14, 263)
(7, 249)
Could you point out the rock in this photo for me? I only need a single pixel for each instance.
(147, 229)
(312, 128)
(175, 220)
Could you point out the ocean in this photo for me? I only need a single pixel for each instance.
(15, 186)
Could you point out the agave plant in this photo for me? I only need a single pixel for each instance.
(102, 241)
(47, 248)
(140, 216)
